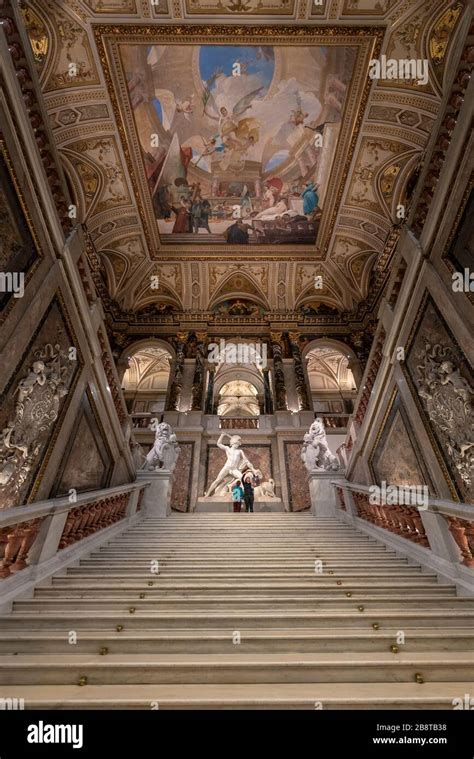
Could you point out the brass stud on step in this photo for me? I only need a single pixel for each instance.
(132, 610)
(360, 608)
(330, 572)
(419, 678)
(142, 595)
(119, 628)
(376, 626)
(82, 681)
(150, 583)
(103, 651)
(348, 595)
(338, 582)
(394, 649)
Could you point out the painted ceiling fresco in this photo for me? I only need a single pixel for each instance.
(167, 69)
(238, 141)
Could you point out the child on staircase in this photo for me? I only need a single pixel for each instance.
(237, 495)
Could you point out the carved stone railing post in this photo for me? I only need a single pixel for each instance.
(176, 374)
(300, 379)
(279, 375)
(198, 378)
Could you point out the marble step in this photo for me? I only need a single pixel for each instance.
(162, 620)
(159, 591)
(345, 695)
(242, 603)
(251, 641)
(341, 574)
(235, 667)
(310, 582)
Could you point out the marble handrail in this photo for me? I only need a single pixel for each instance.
(48, 527)
(406, 520)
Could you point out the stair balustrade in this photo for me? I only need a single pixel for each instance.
(34, 533)
(443, 528)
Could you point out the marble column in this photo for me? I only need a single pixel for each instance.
(278, 373)
(176, 375)
(300, 379)
(209, 407)
(267, 393)
(198, 378)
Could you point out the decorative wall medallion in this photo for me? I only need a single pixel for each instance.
(444, 386)
(33, 403)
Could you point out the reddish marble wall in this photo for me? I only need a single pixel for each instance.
(296, 476)
(182, 477)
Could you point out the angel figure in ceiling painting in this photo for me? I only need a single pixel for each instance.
(241, 121)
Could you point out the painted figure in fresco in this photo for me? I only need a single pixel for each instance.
(183, 216)
(238, 232)
(236, 462)
(310, 198)
(246, 205)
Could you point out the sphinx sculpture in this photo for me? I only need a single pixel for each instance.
(165, 451)
(315, 453)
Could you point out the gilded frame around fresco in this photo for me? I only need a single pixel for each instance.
(368, 42)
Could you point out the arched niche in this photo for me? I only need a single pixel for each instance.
(146, 378)
(330, 366)
(238, 398)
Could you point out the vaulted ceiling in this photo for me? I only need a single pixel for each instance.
(380, 135)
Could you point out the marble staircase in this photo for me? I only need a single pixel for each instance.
(246, 611)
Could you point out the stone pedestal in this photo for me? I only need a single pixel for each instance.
(157, 497)
(322, 493)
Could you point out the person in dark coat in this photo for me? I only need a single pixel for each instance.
(248, 492)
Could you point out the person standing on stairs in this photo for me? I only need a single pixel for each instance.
(237, 495)
(248, 492)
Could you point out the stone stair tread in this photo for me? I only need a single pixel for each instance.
(303, 634)
(416, 659)
(242, 695)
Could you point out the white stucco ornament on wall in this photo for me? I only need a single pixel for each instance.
(315, 452)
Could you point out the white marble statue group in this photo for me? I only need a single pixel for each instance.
(165, 451)
(315, 453)
(237, 464)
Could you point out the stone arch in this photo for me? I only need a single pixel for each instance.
(348, 357)
(238, 285)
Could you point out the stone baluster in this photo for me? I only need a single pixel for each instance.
(198, 378)
(300, 379)
(462, 532)
(279, 376)
(176, 374)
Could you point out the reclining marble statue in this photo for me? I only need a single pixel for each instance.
(315, 453)
(236, 465)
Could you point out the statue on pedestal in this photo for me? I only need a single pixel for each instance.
(315, 453)
(165, 451)
(234, 468)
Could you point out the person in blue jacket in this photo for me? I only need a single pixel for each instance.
(237, 495)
